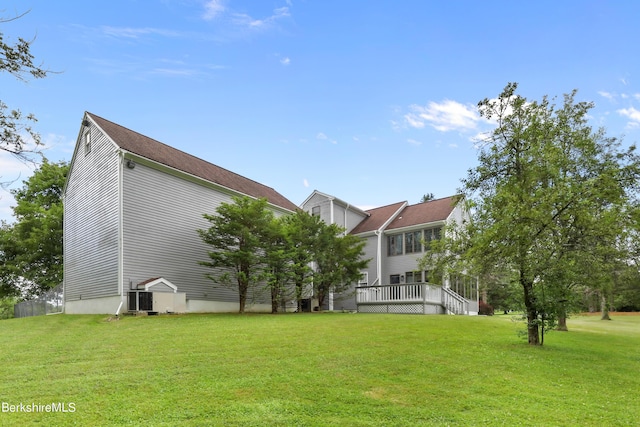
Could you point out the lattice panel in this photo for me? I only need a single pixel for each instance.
(406, 308)
(372, 308)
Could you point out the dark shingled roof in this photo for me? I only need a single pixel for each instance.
(377, 217)
(423, 213)
(151, 149)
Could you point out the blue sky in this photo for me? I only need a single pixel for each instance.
(371, 101)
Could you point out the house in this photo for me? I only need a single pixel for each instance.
(394, 236)
(132, 206)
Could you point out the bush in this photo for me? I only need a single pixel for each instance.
(485, 309)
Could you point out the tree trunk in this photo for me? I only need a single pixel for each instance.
(274, 298)
(562, 323)
(604, 307)
(242, 296)
(533, 329)
(562, 320)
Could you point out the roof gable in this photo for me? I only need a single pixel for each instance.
(156, 151)
(377, 217)
(424, 213)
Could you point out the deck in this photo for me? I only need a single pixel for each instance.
(417, 298)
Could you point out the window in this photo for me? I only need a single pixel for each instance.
(412, 242)
(413, 277)
(364, 279)
(315, 211)
(394, 279)
(395, 245)
(87, 142)
(431, 234)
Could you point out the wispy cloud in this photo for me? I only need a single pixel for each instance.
(414, 142)
(285, 61)
(305, 183)
(213, 9)
(445, 116)
(247, 21)
(632, 114)
(323, 137)
(137, 33)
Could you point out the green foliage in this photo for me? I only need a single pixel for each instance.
(338, 261)
(31, 248)
(6, 307)
(318, 370)
(251, 246)
(550, 199)
(239, 234)
(16, 131)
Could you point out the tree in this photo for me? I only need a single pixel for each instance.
(17, 131)
(547, 188)
(301, 230)
(338, 261)
(31, 248)
(427, 197)
(238, 234)
(278, 253)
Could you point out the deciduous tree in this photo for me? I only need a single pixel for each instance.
(547, 187)
(17, 136)
(31, 247)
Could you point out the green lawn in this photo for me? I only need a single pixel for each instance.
(319, 369)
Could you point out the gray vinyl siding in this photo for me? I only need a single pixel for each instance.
(397, 264)
(347, 300)
(162, 214)
(91, 221)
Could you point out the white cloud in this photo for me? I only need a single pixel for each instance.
(608, 95)
(136, 33)
(285, 61)
(247, 21)
(632, 114)
(445, 116)
(305, 183)
(414, 142)
(321, 136)
(212, 9)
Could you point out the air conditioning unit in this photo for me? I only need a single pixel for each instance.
(157, 302)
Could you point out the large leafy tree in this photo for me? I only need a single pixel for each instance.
(17, 135)
(238, 235)
(301, 231)
(31, 247)
(338, 260)
(549, 197)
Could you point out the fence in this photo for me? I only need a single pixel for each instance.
(48, 303)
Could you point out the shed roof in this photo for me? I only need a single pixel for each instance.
(151, 149)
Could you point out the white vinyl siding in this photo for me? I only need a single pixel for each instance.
(162, 214)
(91, 221)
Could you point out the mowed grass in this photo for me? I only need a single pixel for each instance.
(319, 369)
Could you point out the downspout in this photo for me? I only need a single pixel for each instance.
(120, 230)
(379, 233)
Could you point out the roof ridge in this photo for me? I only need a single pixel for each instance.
(177, 149)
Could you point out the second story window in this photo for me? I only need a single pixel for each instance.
(413, 242)
(394, 244)
(315, 211)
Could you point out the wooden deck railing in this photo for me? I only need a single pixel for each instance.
(413, 293)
